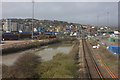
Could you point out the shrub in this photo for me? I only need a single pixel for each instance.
(24, 67)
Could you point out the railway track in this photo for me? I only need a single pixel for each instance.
(92, 68)
(91, 65)
(86, 62)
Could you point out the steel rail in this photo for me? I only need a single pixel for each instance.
(93, 61)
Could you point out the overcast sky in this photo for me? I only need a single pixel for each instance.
(78, 12)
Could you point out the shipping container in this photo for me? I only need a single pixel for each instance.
(115, 49)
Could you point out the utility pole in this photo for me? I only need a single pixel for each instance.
(97, 23)
(107, 20)
(32, 17)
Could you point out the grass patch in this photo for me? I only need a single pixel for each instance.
(104, 38)
(62, 66)
(92, 42)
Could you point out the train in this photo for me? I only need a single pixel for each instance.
(45, 36)
(15, 36)
(23, 35)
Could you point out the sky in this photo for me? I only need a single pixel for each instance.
(88, 13)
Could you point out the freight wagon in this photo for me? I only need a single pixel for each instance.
(24, 35)
(15, 36)
(50, 36)
(10, 36)
(45, 36)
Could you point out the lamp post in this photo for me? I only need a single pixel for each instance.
(108, 18)
(107, 21)
(32, 17)
(97, 24)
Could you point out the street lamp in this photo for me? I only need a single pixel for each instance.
(107, 20)
(97, 23)
(32, 17)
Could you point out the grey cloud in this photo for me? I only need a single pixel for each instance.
(79, 12)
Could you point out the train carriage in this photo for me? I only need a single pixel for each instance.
(15, 36)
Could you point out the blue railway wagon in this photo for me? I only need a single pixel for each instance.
(35, 33)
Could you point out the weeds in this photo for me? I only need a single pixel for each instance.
(24, 67)
(29, 66)
(62, 65)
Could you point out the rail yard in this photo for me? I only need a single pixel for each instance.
(92, 56)
(59, 40)
(90, 67)
(91, 63)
